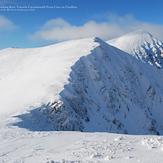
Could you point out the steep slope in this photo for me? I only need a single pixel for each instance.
(142, 45)
(108, 90)
(84, 85)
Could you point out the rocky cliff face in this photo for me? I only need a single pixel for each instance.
(109, 90)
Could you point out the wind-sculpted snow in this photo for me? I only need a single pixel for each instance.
(108, 91)
(142, 45)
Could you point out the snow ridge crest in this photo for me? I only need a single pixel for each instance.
(111, 91)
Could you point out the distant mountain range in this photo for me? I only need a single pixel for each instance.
(86, 85)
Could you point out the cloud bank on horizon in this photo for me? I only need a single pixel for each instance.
(61, 30)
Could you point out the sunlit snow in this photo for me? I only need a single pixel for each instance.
(82, 101)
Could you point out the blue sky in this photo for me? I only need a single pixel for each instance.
(106, 19)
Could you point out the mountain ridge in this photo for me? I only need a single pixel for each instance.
(109, 91)
(81, 85)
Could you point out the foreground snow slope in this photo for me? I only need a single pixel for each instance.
(142, 45)
(78, 147)
(83, 85)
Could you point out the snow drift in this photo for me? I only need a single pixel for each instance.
(82, 85)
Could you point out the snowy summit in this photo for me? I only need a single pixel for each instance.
(142, 45)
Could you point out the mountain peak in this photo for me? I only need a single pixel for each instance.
(100, 41)
(139, 32)
(139, 36)
(142, 45)
(134, 37)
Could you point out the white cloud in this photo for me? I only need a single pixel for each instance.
(6, 24)
(115, 26)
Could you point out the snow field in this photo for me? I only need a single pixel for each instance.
(68, 147)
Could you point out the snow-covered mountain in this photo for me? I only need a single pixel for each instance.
(83, 85)
(142, 45)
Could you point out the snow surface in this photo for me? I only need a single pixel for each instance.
(77, 147)
(28, 76)
(142, 45)
(82, 85)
